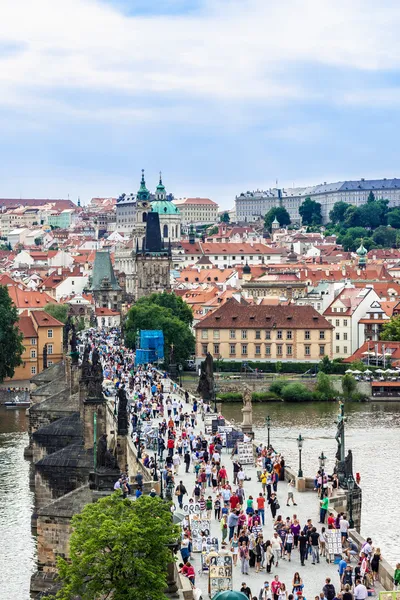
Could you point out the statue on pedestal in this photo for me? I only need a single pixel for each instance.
(247, 411)
(101, 450)
(122, 411)
(86, 370)
(45, 356)
(95, 379)
(66, 330)
(206, 380)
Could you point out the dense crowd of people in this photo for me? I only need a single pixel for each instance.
(252, 527)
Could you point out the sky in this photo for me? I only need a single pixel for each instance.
(222, 96)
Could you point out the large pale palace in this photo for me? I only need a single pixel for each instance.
(250, 206)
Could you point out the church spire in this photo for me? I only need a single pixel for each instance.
(143, 193)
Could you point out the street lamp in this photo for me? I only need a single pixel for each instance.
(268, 421)
(139, 431)
(322, 460)
(350, 487)
(215, 397)
(155, 467)
(161, 462)
(300, 441)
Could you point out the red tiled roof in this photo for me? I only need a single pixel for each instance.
(392, 348)
(197, 201)
(233, 315)
(26, 327)
(29, 299)
(43, 319)
(59, 204)
(102, 311)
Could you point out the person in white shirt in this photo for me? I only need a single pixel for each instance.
(265, 592)
(176, 462)
(344, 527)
(360, 591)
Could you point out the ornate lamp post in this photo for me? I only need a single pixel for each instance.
(350, 487)
(300, 441)
(268, 421)
(155, 467)
(139, 431)
(161, 462)
(322, 460)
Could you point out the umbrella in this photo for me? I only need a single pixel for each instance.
(390, 371)
(356, 372)
(349, 371)
(379, 371)
(367, 372)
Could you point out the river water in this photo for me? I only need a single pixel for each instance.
(372, 432)
(17, 546)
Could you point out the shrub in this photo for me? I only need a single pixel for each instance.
(296, 392)
(230, 396)
(324, 387)
(264, 396)
(277, 386)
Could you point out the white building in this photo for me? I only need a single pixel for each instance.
(197, 211)
(344, 313)
(251, 206)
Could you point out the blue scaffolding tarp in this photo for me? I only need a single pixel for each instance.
(151, 347)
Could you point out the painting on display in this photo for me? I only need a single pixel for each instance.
(220, 574)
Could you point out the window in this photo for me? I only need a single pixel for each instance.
(268, 335)
(279, 350)
(258, 334)
(33, 353)
(244, 334)
(204, 348)
(307, 350)
(49, 348)
(279, 334)
(322, 335)
(337, 322)
(289, 350)
(204, 334)
(306, 334)
(345, 349)
(232, 334)
(232, 349)
(338, 336)
(268, 349)
(216, 334)
(345, 336)
(322, 350)
(289, 334)
(337, 350)
(244, 348)
(344, 322)
(49, 333)
(33, 341)
(216, 348)
(33, 370)
(49, 363)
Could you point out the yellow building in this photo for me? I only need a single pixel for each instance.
(39, 328)
(246, 332)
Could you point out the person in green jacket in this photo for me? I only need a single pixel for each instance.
(396, 577)
(324, 509)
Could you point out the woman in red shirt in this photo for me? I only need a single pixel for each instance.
(331, 521)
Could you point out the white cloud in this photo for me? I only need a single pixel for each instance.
(230, 51)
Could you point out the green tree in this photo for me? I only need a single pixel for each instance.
(385, 236)
(324, 387)
(338, 212)
(152, 316)
(11, 347)
(58, 311)
(310, 212)
(325, 365)
(119, 550)
(212, 230)
(393, 218)
(349, 385)
(371, 197)
(225, 218)
(391, 330)
(179, 308)
(280, 213)
(296, 392)
(38, 241)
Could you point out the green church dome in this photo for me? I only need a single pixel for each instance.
(164, 207)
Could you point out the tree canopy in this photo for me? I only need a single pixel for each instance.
(338, 212)
(310, 212)
(391, 330)
(119, 550)
(281, 215)
(153, 312)
(58, 311)
(11, 347)
(225, 218)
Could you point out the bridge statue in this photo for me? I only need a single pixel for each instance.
(206, 380)
(122, 412)
(247, 411)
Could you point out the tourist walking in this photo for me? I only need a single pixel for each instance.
(244, 558)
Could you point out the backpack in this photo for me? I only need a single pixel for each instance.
(329, 591)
